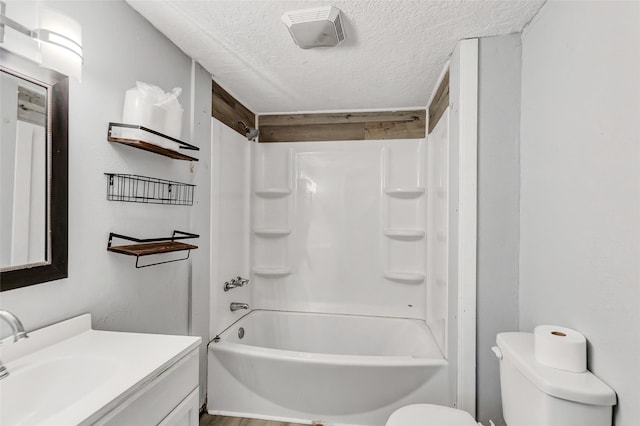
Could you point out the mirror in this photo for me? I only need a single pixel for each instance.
(33, 173)
(23, 167)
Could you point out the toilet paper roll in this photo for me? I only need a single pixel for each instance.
(560, 347)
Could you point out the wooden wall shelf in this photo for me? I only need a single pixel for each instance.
(125, 134)
(151, 246)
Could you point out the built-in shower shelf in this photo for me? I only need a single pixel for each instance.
(271, 271)
(272, 192)
(133, 135)
(404, 234)
(404, 192)
(272, 232)
(405, 277)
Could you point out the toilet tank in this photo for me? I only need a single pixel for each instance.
(537, 395)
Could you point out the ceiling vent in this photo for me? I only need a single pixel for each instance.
(316, 27)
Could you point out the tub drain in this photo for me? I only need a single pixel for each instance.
(240, 332)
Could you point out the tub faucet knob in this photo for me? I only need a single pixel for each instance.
(236, 282)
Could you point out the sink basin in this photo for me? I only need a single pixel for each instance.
(70, 374)
(42, 382)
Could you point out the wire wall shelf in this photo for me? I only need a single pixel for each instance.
(144, 189)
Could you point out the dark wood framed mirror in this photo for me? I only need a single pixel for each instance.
(51, 261)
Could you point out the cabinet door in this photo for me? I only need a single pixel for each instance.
(186, 413)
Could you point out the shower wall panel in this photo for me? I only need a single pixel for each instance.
(438, 236)
(229, 223)
(340, 227)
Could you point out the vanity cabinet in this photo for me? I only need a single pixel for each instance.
(169, 399)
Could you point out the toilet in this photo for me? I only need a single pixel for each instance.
(532, 394)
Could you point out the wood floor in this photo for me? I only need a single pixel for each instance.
(209, 420)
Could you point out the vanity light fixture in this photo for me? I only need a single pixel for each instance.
(59, 40)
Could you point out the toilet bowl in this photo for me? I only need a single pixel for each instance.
(430, 415)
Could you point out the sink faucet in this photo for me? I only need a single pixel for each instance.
(18, 334)
(235, 306)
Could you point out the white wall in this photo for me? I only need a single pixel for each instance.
(121, 47)
(337, 213)
(499, 70)
(580, 193)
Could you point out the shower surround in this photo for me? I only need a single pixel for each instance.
(347, 243)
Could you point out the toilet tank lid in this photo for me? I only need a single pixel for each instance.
(584, 387)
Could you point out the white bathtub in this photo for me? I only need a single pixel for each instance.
(337, 369)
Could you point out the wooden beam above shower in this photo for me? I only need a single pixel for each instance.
(440, 102)
(343, 126)
(229, 110)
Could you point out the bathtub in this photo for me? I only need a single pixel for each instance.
(333, 369)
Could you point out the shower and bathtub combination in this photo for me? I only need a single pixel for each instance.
(353, 303)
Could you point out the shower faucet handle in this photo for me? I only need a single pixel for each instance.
(236, 282)
(228, 285)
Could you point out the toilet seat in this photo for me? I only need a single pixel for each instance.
(430, 415)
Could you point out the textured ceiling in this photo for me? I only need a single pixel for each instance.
(392, 57)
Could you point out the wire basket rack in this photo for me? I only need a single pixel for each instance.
(144, 189)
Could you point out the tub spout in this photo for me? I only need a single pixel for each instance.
(236, 306)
